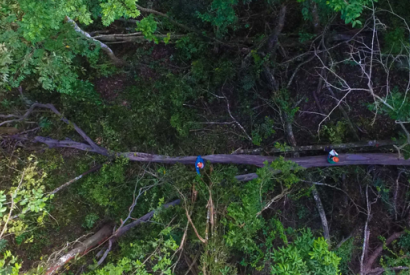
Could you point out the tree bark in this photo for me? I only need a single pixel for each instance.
(273, 39)
(306, 162)
(84, 246)
(322, 214)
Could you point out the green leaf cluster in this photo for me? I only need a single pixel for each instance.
(350, 10)
(114, 9)
(400, 105)
(148, 26)
(221, 15)
(305, 255)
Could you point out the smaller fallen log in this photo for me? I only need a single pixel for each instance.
(103, 235)
(83, 247)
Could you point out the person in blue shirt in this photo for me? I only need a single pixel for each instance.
(199, 164)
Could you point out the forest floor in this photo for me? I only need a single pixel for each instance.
(342, 214)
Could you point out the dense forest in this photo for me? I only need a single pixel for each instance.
(204, 137)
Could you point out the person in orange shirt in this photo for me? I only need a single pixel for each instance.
(333, 157)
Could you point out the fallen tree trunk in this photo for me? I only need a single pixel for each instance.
(84, 246)
(99, 238)
(306, 162)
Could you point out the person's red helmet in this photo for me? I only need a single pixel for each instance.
(200, 165)
(335, 159)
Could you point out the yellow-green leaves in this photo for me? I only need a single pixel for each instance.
(114, 9)
(9, 264)
(148, 26)
(3, 208)
(26, 195)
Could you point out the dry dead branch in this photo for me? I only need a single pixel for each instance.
(105, 48)
(322, 214)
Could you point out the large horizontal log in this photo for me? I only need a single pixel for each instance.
(306, 162)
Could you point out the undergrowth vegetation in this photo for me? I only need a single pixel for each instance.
(145, 80)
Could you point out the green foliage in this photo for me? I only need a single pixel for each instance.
(221, 15)
(404, 240)
(5, 61)
(283, 99)
(283, 147)
(305, 36)
(335, 134)
(3, 202)
(90, 220)
(350, 11)
(145, 256)
(398, 253)
(44, 48)
(104, 187)
(395, 41)
(148, 26)
(263, 131)
(305, 255)
(215, 258)
(345, 253)
(243, 219)
(383, 191)
(9, 264)
(400, 105)
(114, 9)
(190, 47)
(3, 245)
(27, 195)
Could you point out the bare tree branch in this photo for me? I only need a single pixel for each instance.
(76, 145)
(322, 214)
(105, 48)
(9, 217)
(273, 38)
(58, 189)
(105, 253)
